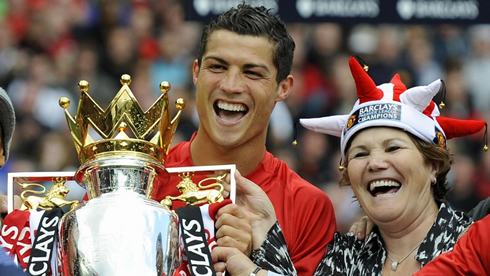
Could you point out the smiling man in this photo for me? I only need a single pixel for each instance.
(241, 72)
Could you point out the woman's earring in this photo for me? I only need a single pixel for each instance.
(341, 167)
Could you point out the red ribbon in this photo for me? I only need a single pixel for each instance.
(15, 236)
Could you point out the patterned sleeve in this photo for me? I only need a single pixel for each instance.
(337, 255)
(273, 255)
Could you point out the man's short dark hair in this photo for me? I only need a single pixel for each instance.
(255, 21)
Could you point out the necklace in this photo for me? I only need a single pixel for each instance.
(394, 264)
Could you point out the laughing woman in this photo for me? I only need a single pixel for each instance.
(395, 158)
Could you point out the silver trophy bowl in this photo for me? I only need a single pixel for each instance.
(120, 231)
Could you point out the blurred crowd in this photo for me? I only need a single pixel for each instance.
(48, 46)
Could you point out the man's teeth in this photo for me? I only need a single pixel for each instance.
(231, 106)
(383, 183)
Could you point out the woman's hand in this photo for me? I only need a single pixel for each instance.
(257, 207)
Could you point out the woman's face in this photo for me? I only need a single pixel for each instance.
(389, 176)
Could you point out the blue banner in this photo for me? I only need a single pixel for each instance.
(355, 11)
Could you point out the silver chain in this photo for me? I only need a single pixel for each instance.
(394, 264)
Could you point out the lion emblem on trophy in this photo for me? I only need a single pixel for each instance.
(196, 194)
(54, 197)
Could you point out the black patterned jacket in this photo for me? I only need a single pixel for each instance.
(350, 256)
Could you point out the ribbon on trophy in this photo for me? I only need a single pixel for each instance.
(15, 236)
(41, 261)
(30, 237)
(29, 234)
(197, 230)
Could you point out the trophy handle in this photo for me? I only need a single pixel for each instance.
(35, 195)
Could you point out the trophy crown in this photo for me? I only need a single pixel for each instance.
(112, 124)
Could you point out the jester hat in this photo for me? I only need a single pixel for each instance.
(393, 105)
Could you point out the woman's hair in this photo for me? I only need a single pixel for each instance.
(255, 21)
(433, 155)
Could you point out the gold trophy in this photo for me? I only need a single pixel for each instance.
(120, 230)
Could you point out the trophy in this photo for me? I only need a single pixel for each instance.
(120, 230)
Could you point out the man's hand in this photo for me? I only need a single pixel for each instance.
(362, 228)
(245, 224)
(234, 228)
(4, 203)
(231, 260)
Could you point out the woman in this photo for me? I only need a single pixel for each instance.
(395, 157)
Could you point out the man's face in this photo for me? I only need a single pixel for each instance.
(2, 153)
(237, 88)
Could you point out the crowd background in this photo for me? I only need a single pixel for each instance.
(48, 46)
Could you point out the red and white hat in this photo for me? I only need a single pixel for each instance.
(393, 105)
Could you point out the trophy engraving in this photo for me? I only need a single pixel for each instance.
(54, 197)
(120, 230)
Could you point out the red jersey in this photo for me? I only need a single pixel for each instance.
(305, 212)
(470, 255)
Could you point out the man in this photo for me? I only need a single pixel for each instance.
(7, 125)
(241, 72)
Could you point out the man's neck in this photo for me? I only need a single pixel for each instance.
(247, 157)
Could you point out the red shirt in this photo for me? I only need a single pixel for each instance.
(470, 255)
(305, 212)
